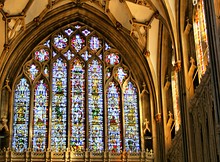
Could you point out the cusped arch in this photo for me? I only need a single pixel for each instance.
(22, 47)
(20, 50)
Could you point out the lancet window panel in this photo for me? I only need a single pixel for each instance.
(201, 39)
(77, 92)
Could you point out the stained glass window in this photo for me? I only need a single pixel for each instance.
(112, 59)
(95, 99)
(78, 42)
(59, 105)
(121, 74)
(77, 96)
(95, 43)
(40, 116)
(201, 40)
(131, 118)
(175, 96)
(21, 115)
(114, 118)
(42, 55)
(77, 117)
(60, 41)
(32, 71)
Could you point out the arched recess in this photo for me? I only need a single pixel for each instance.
(21, 47)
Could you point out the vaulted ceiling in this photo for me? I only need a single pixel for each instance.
(140, 17)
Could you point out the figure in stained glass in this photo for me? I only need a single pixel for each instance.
(112, 59)
(132, 142)
(60, 41)
(95, 43)
(114, 118)
(77, 109)
(40, 116)
(42, 55)
(59, 105)
(95, 106)
(21, 115)
(121, 74)
(78, 42)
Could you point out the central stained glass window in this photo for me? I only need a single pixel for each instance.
(76, 92)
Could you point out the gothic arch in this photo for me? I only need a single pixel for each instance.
(20, 49)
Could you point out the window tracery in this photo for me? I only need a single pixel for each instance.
(82, 93)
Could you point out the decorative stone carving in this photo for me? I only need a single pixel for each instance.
(146, 123)
(177, 66)
(2, 3)
(3, 124)
(14, 26)
(158, 117)
(144, 3)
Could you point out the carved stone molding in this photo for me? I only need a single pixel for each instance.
(175, 152)
(2, 3)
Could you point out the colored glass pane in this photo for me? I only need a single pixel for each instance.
(107, 47)
(100, 56)
(121, 74)
(132, 142)
(95, 100)
(60, 41)
(46, 71)
(112, 59)
(95, 43)
(86, 32)
(32, 71)
(42, 55)
(59, 105)
(69, 55)
(86, 55)
(201, 40)
(77, 126)
(108, 73)
(21, 116)
(40, 116)
(175, 96)
(69, 31)
(78, 26)
(54, 54)
(77, 117)
(114, 116)
(78, 42)
(47, 43)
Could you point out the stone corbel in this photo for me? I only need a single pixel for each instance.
(140, 32)
(14, 25)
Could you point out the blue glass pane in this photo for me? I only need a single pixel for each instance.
(21, 116)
